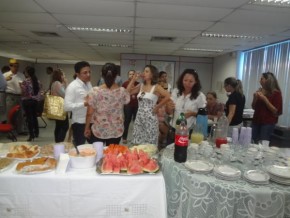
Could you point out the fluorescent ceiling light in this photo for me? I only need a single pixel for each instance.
(279, 3)
(112, 45)
(220, 35)
(97, 29)
(203, 49)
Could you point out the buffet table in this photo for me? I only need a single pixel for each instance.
(81, 193)
(199, 195)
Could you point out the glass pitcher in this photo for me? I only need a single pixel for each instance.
(197, 134)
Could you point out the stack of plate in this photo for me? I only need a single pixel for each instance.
(199, 166)
(227, 172)
(256, 177)
(279, 174)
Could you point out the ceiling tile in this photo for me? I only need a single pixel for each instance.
(89, 7)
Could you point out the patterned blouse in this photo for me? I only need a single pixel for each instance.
(108, 119)
(27, 90)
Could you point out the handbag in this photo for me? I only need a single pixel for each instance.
(54, 107)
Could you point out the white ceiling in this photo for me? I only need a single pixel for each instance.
(183, 19)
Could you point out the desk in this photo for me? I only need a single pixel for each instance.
(204, 196)
(81, 193)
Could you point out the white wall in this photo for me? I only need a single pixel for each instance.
(204, 66)
(212, 71)
(69, 72)
(223, 66)
(40, 70)
(22, 64)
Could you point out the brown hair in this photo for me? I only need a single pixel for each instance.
(109, 74)
(213, 93)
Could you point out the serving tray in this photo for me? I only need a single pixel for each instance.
(123, 173)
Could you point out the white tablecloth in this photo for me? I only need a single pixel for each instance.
(81, 193)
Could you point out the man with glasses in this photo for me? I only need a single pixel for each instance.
(13, 91)
(75, 100)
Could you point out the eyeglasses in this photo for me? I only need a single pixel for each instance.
(141, 96)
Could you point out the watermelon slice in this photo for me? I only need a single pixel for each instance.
(107, 166)
(123, 162)
(134, 168)
(151, 167)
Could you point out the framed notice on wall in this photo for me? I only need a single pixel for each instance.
(168, 67)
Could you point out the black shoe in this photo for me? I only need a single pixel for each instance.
(30, 139)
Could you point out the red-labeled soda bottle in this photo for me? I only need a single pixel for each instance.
(181, 142)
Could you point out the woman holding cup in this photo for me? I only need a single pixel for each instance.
(268, 106)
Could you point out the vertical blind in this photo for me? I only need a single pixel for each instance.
(274, 58)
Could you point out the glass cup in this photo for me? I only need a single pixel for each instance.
(219, 141)
(196, 137)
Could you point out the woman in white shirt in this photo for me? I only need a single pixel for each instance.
(187, 97)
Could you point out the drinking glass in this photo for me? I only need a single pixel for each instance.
(226, 155)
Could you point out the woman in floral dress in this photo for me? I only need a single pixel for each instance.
(146, 124)
(105, 110)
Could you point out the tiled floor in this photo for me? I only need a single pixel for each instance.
(46, 135)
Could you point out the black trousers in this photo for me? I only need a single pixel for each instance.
(60, 130)
(129, 113)
(105, 141)
(30, 109)
(78, 133)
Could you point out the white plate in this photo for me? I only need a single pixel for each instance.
(279, 181)
(219, 176)
(256, 183)
(228, 171)
(280, 171)
(199, 165)
(24, 172)
(8, 166)
(256, 176)
(21, 159)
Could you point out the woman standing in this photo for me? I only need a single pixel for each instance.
(146, 124)
(30, 89)
(268, 106)
(163, 81)
(57, 88)
(214, 108)
(105, 109)
(187, 97)
(130, 109)
(235, 103)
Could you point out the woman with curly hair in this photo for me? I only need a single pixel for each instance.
(187, 97)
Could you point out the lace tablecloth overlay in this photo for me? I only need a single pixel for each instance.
(204, 196)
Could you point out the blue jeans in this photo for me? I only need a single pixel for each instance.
(262, 132)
